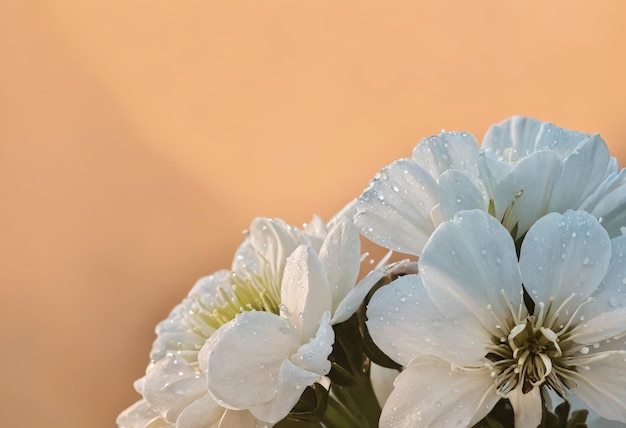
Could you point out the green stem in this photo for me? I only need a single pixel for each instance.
(338, 416)
(360, 401)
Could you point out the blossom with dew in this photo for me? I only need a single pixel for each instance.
(524, 170)
(174, 387)
(262, 361)
(477, 325)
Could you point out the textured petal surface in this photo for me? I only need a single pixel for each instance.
(602, 386)
(523, 195)
(171, 385)
(242, 359)
(583, 170)
(313, 355)
(564, 255)
(526, 407)
(429, 393)
(305, 292)
(203, 413)
(458, 192)
(404, 322)
(518, 136)
(292, 380)
(448, 150)
(394, 211)
(140, 415)
(469, 265)
(340, 256)
(609, 203)
(179, 333)
(354, 299)
(611, 293)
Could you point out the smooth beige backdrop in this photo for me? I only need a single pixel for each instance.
(138, 139)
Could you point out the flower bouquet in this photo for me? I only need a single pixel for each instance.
(510, 309)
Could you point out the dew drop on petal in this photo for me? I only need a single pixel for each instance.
(584, 350)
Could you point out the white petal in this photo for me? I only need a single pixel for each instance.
(513, 138)
(242, 359)
(602, 386)
(354, 299)
(523, 195)
(382, 380)
(428, 393)
(526, 407)
(458, 192)
(171, 384)
(177, 333)
(448, 150)
(273, 241)
(394, 211)
(611, 293)
(467, 266)
(583, 170)
(313, 355)
(519, 136)
(341, 257)
(292, 380)
(202, 413)
(601, 327)
(611, 206)
(140, 415)
(305, 292)
(240, 419)
(403, 322)
(492, 171)
(564, 255)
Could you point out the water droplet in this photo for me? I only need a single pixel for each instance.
(483, 252)
(573, 234)
(614, 301)
(586, 261)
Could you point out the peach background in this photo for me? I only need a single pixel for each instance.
(139, 138)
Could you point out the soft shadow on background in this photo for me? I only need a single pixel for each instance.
(138, 139)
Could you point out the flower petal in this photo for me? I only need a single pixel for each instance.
(313, 355)
(305, 292)
(429, 393)
(182, 334)
(270, 242)
(394, 211)
(584, 169)
(523, 195)
(564, 255)
(611, 206)
(611, 293)
(519, 136)
(527, 407)
(340, 256)
(243, 358)
(240, 419)
(458, 192)
(404, 322)
(448, 150)
(602, 386)
(354, 299)
(292, 380)
(469, 268)
(203, 413)
(141, 415)
(172, 384)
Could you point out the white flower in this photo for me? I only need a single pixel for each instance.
(261, 361)
(174, 387)
(467, 338)
(525, 170)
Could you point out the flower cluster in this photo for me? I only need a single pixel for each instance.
(514, 297)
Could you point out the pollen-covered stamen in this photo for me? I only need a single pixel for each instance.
(248, 291)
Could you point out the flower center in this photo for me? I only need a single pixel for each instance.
(248, 291)
(536, 350)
